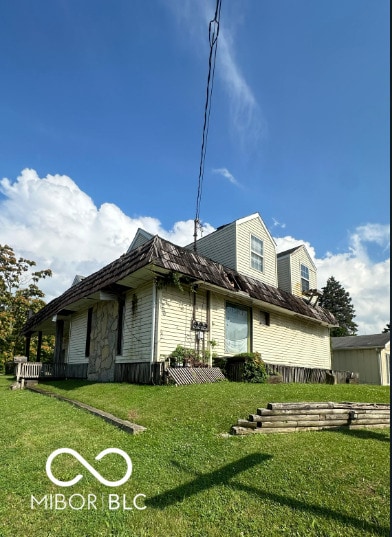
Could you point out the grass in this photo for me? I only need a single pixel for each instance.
(197, 482)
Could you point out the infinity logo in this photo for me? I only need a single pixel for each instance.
(92, 470)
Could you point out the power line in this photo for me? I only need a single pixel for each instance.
(213, 32)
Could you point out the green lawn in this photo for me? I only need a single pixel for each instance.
(197, 482)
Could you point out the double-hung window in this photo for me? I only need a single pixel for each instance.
(304, 278)
(256, 254)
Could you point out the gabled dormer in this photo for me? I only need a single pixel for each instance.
(296, 271)
(244, 245)
(140, 238)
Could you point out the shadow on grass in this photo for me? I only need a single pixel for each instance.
(365, 434)
(64, 384)
(224, 476)
(206, 481)
(316, 510)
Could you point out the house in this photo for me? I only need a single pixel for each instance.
(367, 355)
(122, 322)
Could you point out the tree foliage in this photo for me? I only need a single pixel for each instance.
(339, 303)
(387, 328)
(19, 297)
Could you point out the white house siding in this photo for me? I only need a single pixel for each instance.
(291, 341)
(137, 327)
(254, 227)
(286, 341)
(77, 338)
(298, 258)
(284, 273)
(219, 246)
(175, 317)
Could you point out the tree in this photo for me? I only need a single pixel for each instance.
(387, 328)
(339, 303)
(19, 297)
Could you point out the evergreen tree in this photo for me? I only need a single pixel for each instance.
(387, 328)
(339, 303)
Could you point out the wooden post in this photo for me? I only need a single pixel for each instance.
(39, 346)
(58, 341)
(27, 346)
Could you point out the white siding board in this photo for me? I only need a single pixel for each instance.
(77, 338)
(137, 325)
(175, 318)
(299, 257)
(291, 341)
(284, 273)
(219, 246)
(255, 227)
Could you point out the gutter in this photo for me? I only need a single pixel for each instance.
(266, 305)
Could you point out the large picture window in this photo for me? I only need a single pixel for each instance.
(256, 253)
(304, 278)
(237, 337)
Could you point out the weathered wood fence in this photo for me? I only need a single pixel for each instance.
(235, 372)
(297, 417)
(139, 372)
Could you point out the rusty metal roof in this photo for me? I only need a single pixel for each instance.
(158, 252)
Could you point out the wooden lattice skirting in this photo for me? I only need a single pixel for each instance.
(194, 375)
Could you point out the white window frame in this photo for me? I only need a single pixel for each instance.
(256, 256)
(304, 278)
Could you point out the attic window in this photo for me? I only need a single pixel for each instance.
(256, 253)
(304, 278)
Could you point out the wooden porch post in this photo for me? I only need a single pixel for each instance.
(27, 346)
(58, 341)
(39, 346)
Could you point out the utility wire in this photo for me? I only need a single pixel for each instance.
(213, 32)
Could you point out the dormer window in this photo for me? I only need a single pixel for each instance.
(256, 254)
(304, 278)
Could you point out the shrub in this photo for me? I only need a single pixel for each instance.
(254, 368)
(183, 355)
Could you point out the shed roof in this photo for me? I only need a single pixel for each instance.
(159, 253)
(357, 342)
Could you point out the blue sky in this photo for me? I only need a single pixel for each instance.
(111, 95)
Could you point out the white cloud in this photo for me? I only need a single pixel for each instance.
(365, 280)
(247, 122)
(224, 172)
(53, 222)
(276, 223)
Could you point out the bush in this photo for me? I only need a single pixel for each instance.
(220, 362)
(254, 369)
(184, 356)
